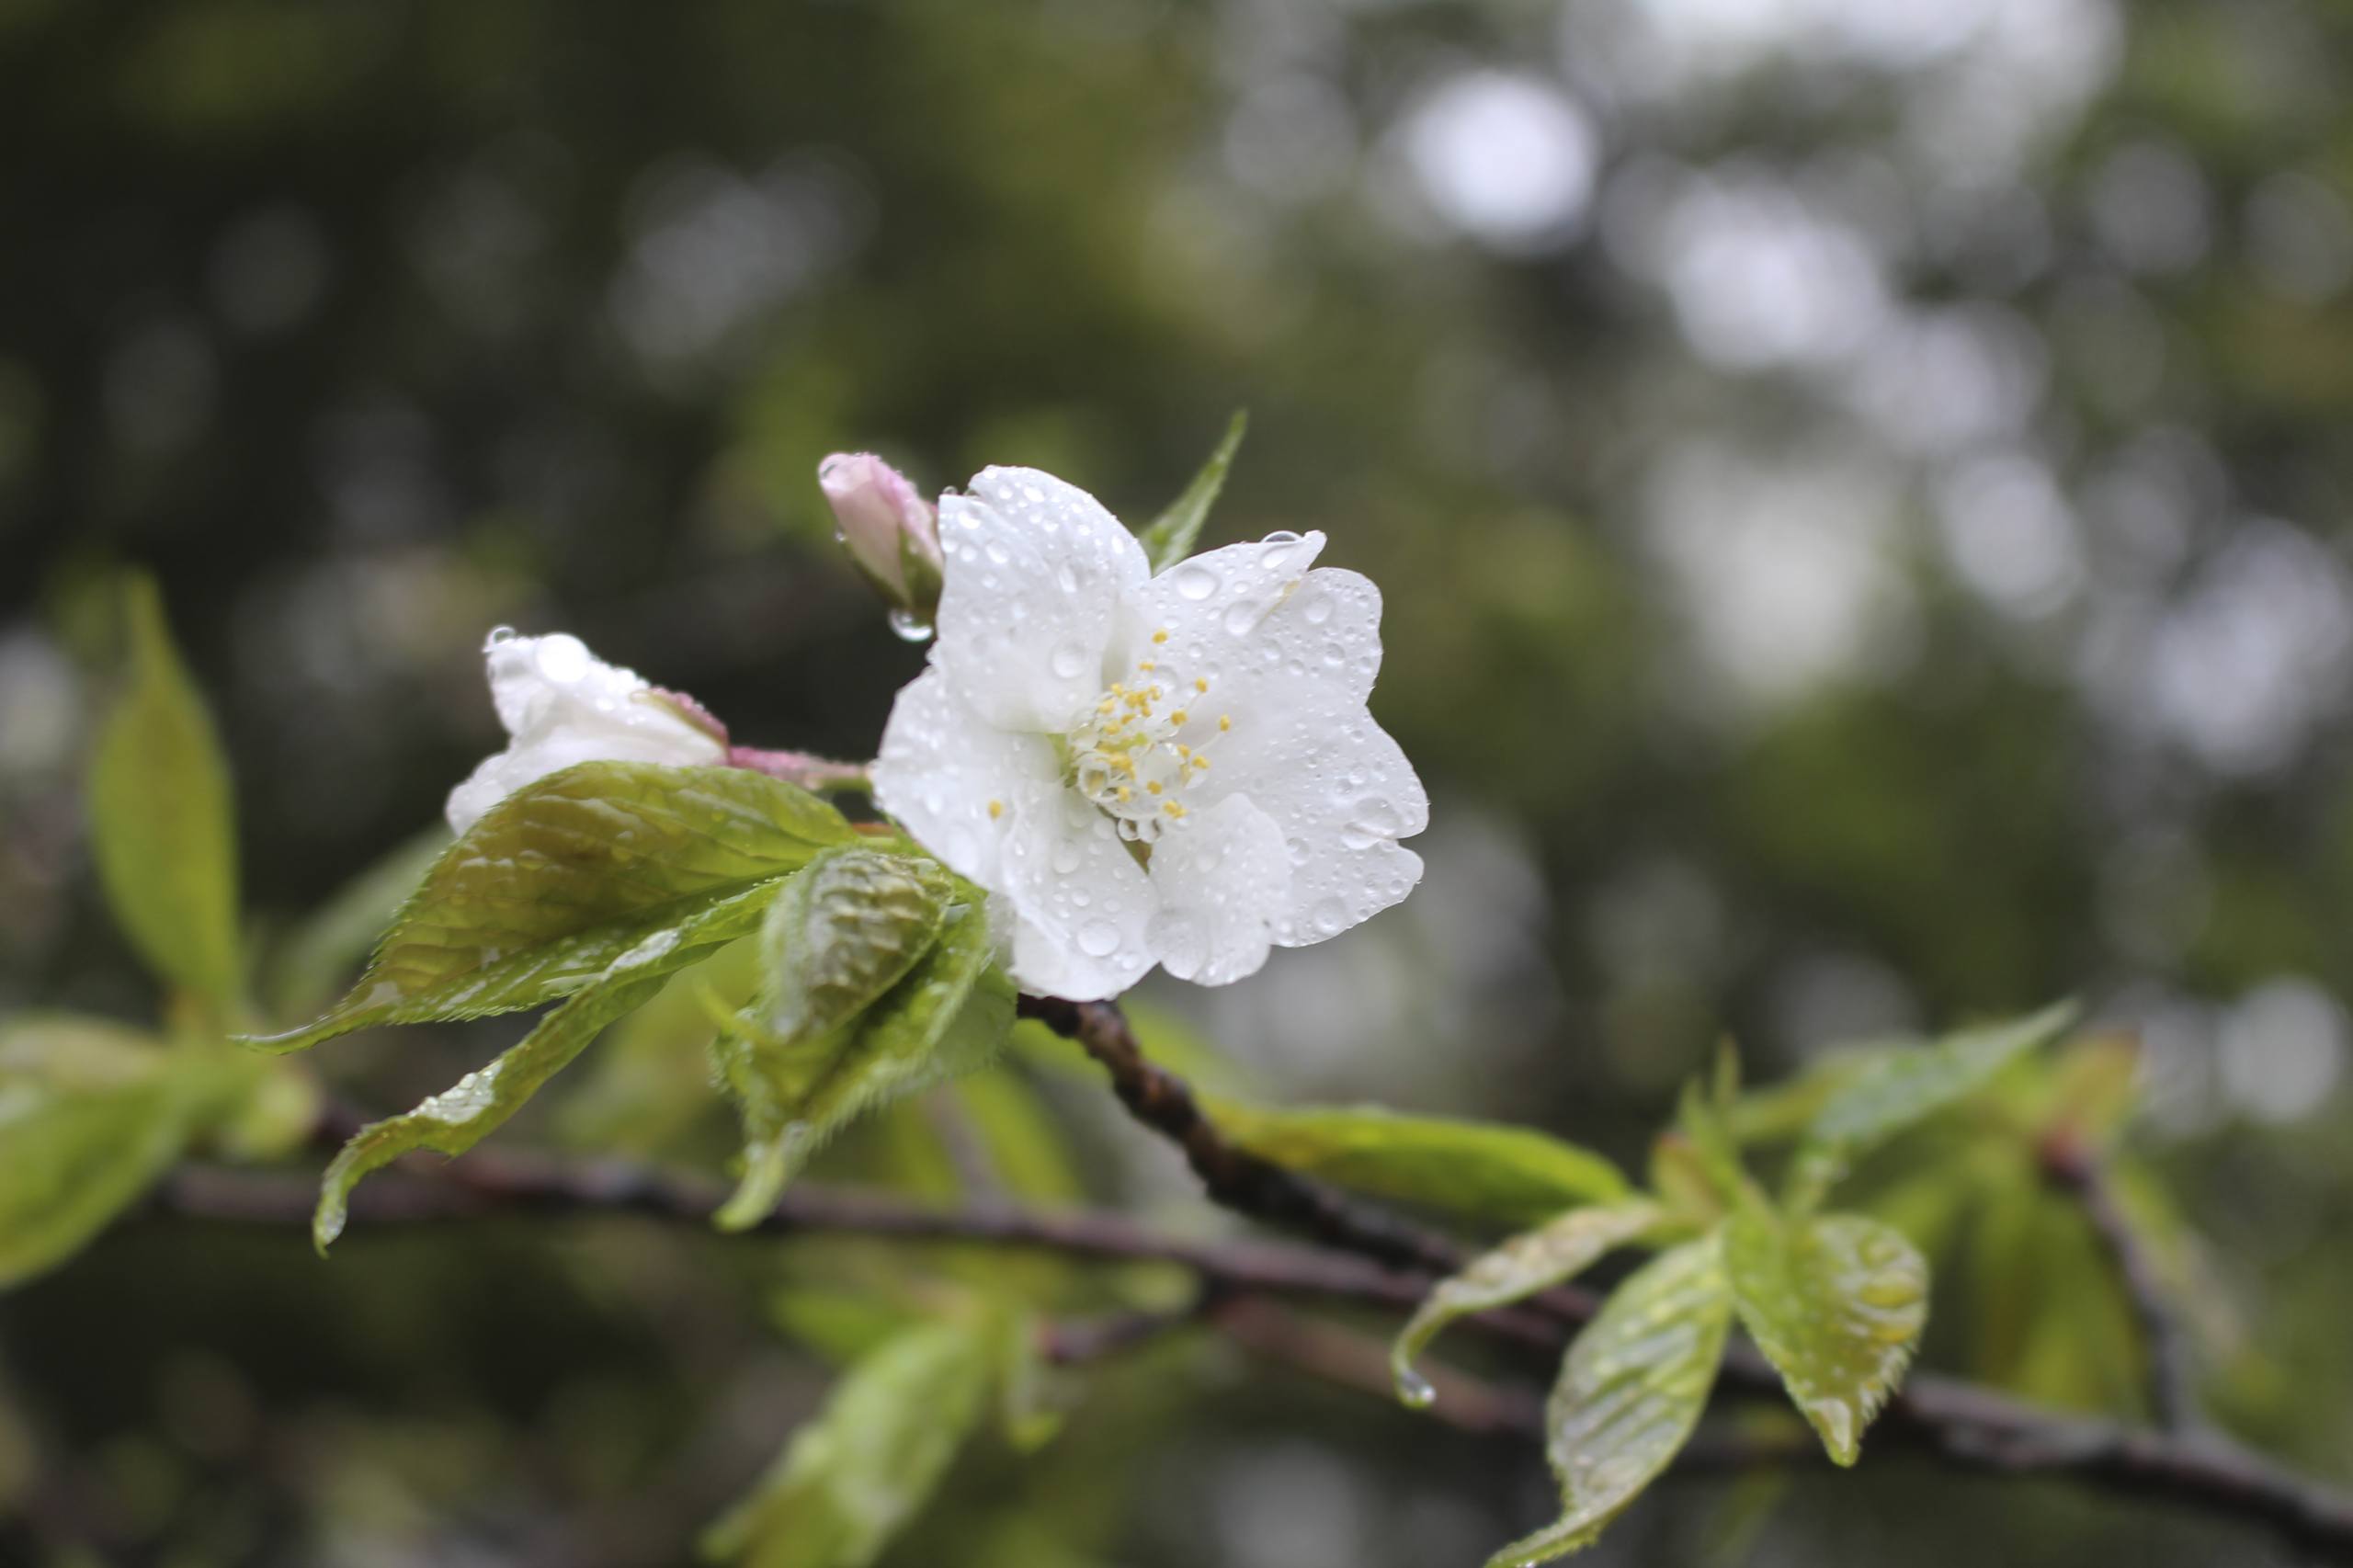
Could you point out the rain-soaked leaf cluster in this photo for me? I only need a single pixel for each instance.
(811, 966)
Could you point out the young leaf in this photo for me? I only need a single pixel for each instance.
(851, 1479)
(161, 815)
(1836, 1303)
(1173, 533)
(318, 957)
(1535, 1261)
(1512, 1176)
(90, 1115)
(856, 1002)
(1905, 1087)
(1630, 1393)
(461, 1116)
(566, 875)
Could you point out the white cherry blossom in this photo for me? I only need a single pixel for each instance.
(1177, 769)
(561, 705)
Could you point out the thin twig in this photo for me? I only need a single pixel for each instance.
(2072, 1164)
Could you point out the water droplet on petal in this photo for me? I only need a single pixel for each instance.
(911, 627)
(1069, 661)
(1329, 915)
(1066, 578)
(562, 658)
(1317, 610)
(1065, 857)
(1099, 938)
(1196, 582)
(1240, 617)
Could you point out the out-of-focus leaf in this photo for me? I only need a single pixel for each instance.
(161, 815)
(1512, 1176)
(90, 1115)
(1026, 1148)
(1836, 1303)
(335, 938)
(1534, 1261)
(649, 1088)
(851, 1478)
(1703, 1117)
(461, 1116)
(568, 873)
(1630, 1393)
(1028, 1421)
(1905, 1087)
(1173, 534)
(862, 1002)
(843, 1325)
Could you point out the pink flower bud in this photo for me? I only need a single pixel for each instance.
(891, 531)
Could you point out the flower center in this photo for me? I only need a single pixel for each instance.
(1143, 745)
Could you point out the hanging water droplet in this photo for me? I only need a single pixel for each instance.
(1415, 1389)
(911, 627)
(498, 635)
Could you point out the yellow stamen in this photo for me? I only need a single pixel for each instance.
(1225, 721)
(1161, 635)
(1201, 762)
(1147, 666)
(996, 810)
(1201, 683)
(1126, 794)
(1172, 809)
(1178, 717)
(1152, 788)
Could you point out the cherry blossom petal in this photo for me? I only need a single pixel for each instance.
(563, 705)
(1036, 572)
(1079, 904)
(955, 780)
(1342, 793)
(1211, 606)
(1223, 879)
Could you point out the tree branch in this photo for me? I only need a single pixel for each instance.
(2073, 1166)
(1970, 1426)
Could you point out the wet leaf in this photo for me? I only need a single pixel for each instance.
(162, 824)
(460, 1117)
(1905, 1087)
(567, 874)
(1535, 1261)
(1630, 1391)
(850, 1479)
(1171, 536)
(867, 998)
(1511, 1175)
(1836, 1303)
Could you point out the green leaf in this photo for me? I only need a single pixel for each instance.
(1630, 1393)
(161, 816)
(1512, 1176)
(461, 1116)
(853, 1477)
(1535, 1261)
(567, 874)
(318, 958)
(1173, 533)
(1905, 1087)
(90, 1115)
(864, 1001)
(1836, 1303)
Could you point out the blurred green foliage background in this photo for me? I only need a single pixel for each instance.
(1861, 494)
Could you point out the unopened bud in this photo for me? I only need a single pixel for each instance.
(891, 531)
